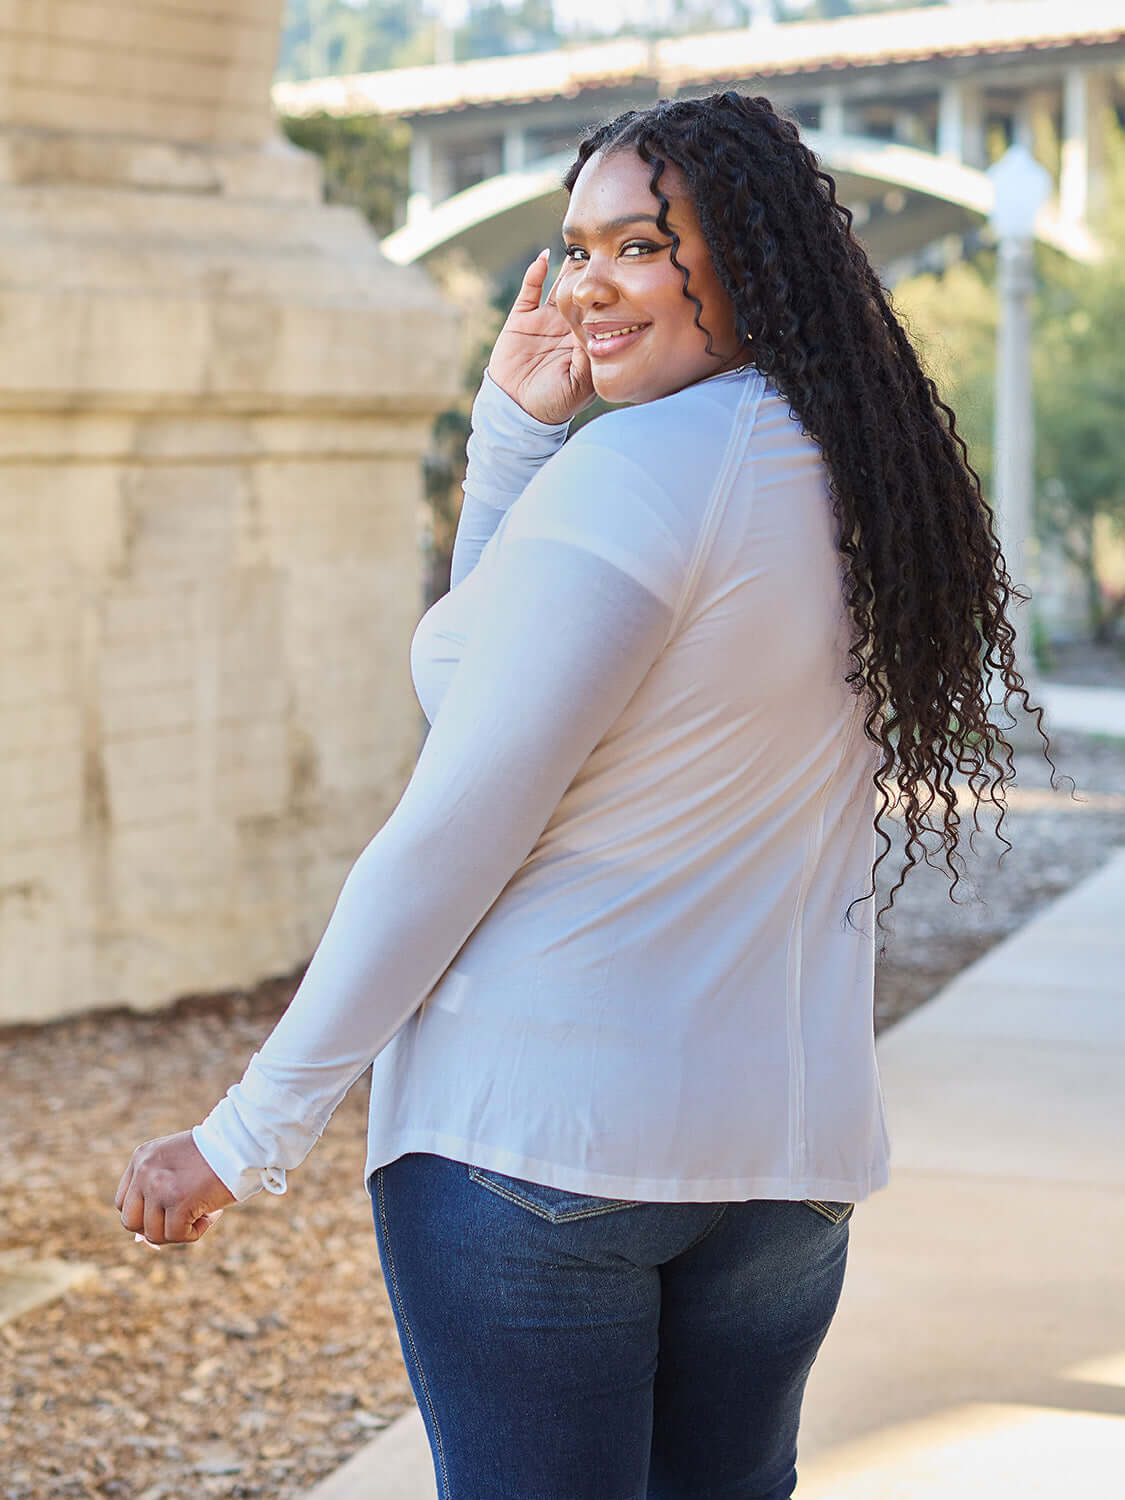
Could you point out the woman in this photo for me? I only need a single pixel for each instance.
(612, 954)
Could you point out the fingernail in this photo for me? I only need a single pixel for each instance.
(544, 253)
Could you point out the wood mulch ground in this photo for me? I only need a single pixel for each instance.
(255, 1362)
(251, 1363)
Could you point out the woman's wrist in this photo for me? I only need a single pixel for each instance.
(494, 393)
(507, 447)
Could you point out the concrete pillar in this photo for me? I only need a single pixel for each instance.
(421, 199)
(1081, 173)
(961, 123)
(513, 150)
(214, 396)
(832, 116)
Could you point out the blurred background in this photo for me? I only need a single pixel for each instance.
(444, 161)
(252, 261)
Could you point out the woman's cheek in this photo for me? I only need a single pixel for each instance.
(564, 297)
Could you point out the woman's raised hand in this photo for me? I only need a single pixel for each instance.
(537, 359)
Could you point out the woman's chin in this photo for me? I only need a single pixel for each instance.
(623, 386)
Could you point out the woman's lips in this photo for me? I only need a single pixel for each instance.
(604, 348)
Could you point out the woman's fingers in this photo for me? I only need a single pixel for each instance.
(184, 1224)
(549, 300)
(132, 1208)
(154, 1222)
(169, 1192)
(124, 1185)
(531, 287)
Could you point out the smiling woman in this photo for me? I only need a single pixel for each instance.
(611, 957)
(622, 289)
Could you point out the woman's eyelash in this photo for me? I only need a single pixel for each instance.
(569, 251)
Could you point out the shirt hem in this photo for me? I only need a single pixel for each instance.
(616, 1185)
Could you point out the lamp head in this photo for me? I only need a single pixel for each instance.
(1021, 186)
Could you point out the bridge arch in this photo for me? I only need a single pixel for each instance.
(904, 199)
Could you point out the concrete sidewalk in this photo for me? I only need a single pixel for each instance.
(1089, 710)
(979, 1350)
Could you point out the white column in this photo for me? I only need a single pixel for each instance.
(1083, 144)
(961, 123)
(832, 111)
(513, 155)
(421, 199)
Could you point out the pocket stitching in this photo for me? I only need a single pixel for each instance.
(823, 1209)
(610, 1206)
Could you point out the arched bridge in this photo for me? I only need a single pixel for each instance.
(905, 110)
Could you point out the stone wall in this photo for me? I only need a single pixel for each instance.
(178, 70)
(214, 396)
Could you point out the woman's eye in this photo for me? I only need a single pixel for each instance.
(630, 251)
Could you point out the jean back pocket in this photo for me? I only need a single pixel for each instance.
(558, 1205)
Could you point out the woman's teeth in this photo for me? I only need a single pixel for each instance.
(618, 333)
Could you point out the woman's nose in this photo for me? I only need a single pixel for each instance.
(594, 286)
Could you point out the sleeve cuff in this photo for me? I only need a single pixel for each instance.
(494, 399)
(256, 1132)
(507, 446)
(243, 1182)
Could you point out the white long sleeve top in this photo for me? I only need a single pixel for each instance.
(601, 941)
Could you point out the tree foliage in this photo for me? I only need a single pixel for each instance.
(1078, 364)
(325, 37)
(366, 162)
(951, 318)
(321, 38)
(1080, 408)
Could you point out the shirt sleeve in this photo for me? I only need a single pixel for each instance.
(507, 447)
(572, 623)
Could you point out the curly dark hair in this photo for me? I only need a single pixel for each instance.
(924, 578)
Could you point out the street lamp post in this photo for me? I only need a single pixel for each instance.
(1020, 186)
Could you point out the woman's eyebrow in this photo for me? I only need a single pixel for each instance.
(572, 231)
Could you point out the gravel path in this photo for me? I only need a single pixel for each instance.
(1057, 837)
(256, 1361)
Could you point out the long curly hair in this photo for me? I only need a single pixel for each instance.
(924, 577)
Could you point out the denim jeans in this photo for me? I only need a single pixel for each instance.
(567, 1347)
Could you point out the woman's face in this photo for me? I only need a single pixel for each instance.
(618, 275)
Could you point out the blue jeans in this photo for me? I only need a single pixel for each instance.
(566, 1347)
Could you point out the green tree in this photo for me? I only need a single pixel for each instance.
(951, 318)
(495, 29)
(325, 37)
(321, 38)
(366, 162)
(1078, 365)
(1080, 409)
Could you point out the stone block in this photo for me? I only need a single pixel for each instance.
(51, 105)
(153, 778)
(192, 31)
